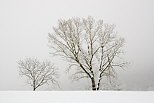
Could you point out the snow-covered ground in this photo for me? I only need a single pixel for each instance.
(77, 97)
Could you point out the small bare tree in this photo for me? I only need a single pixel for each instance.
(37, 73)
(91, 46)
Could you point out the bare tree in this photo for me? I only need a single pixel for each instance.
(37, 73)
(91, 46)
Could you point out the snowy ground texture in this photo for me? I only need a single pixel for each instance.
(77, 97)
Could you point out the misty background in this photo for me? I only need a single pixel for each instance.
(25, 24)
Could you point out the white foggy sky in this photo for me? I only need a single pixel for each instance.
(25, 24)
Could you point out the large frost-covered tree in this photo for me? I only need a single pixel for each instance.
(90, 46)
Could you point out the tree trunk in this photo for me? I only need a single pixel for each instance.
(34, 89)
(93, 84)
(98, 84)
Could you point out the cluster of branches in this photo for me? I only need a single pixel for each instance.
(89, 45)
(37, 73)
